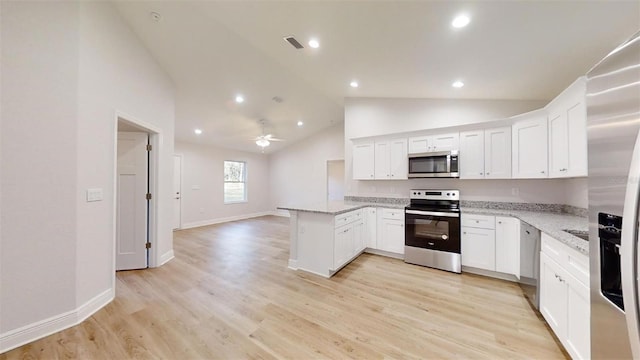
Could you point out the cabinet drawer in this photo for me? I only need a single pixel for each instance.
(348, 218)
(479, 221)
(574, 262)
(393, 214)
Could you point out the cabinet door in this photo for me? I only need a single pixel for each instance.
(479, 248)
(342, 245)
(578, 319)
(358, 237)
(392, 236)
(419, 144)
(508, 245)
(471, 155)
(529, 144)
(553, 295)
(445, 142)
(363, 161)
(577, 137)
(382, 157)
(371, 226)
(558, 145)
(497, 153)
(398, 161)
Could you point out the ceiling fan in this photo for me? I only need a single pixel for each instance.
(264, 140)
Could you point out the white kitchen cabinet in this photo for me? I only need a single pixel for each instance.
(485, 154)
(472, 154)
(371, 225)
(497, 153)
(508, 245)
(343, 245)
(564, 297)
(358, 237)
(382, 160)
(391, 160)
(529, 145)
(433, 143)
(479, 248)
(553, 294)
(398, 162)
(391, 230)
(568, 132)
(363, 161)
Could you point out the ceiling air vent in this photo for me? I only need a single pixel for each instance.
(291, 40)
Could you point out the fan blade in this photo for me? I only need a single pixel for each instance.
(276, 139)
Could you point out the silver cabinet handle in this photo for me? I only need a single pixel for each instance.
(178, 198)
(487, 174)
(480, 173)
(542, 172)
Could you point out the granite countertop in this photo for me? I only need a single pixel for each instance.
(550, 223)
(546, 218)
(340, 207)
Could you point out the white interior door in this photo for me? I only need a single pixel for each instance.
(131, 213)
(177, 192)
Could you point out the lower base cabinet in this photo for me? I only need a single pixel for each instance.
(348, 239)
(564, 300)
(391, 230)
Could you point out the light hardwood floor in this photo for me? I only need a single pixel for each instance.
(229, 295)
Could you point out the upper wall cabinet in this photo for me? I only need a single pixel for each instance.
(363, 161)
(432, 143)
(486, 154)
(380, 160)
(391, 160)
(568, 132)
(529, 145)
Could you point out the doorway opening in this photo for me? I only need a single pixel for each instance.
(335, 180)
(135, 192)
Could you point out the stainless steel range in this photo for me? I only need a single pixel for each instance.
(432, 229)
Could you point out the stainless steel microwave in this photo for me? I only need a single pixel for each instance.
(434, 164)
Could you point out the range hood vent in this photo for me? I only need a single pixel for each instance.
(291, 40)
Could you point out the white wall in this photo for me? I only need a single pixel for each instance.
(67, 68)
(203, 167)
(116, 74)
(335, 180)
(375, 117)
(299, 172)
(39, 125)
(577, 192)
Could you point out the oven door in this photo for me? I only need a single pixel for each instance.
(432, 230)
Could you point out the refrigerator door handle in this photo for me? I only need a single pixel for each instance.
(629, 252)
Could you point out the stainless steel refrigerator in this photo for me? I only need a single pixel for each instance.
(613, 122)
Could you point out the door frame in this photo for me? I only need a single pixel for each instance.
(181, 156)
(326, 176)
(155, 139)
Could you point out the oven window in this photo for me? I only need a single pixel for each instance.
(428, 165)
(431, 229)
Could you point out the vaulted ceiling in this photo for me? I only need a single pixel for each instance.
(215, 50)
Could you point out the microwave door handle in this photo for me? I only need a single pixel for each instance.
(629, 252)
(448, 163)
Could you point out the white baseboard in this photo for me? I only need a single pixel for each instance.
(283, 213)
(293, 264)
(166, 257)
(489, 273)
(384, 253)
(223, 220)
(28, 333)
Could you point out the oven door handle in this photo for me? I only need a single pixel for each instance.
(432, 213)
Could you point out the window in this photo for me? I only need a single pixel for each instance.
(235, 179)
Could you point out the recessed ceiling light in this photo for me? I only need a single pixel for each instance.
(197, 131)
(300, 123)
(314, 43)
(239, 99)
(460, 21)
(457, 84)
(354, 84)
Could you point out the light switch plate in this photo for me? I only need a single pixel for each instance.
(94, 195)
